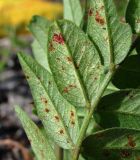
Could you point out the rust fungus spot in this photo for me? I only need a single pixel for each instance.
(99, 19)
(73, 122)
(44, 100)
(125, 154)
(58, 38)
(131, 142)
(65, 90)
(90, 12)
(95, 78)
(69, 59)
(47, 110)
(72, 114)
(56, 118)
(61, 131)
(51, 48)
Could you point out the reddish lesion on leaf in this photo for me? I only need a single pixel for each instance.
(69, 59)
(56, 118)
(61, 131)
(44, 100)
(131, 141)
(51, 47)
(125, 154)
(99, 19)
(47, 110)
(69, 87)
(58, 38)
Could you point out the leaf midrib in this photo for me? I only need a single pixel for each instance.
(111, 48)
(83, 88)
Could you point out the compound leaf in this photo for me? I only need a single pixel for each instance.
(57, 115)
(73, 11)
(74, 63)
(120, 109)
(113, 144)
(133, 15)
(39, 143)
(111, 37)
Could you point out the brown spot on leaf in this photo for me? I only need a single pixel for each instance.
(56, 118)
(72, 86)
(51, 47)
(65, 90)
(73, 122)
(131, 141)
(72, 113)
(44, 100)
(47, 110)
(69, 59)
(61, 131)
(99, 19)
(90, 12)
(58, 38)
(125, 154)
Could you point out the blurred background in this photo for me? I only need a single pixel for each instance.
(14, 36)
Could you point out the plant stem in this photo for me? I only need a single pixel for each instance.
(90, 113)
(59, 152)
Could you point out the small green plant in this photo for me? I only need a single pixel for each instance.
(85, 83)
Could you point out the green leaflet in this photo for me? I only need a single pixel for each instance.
(39, 143)
(39, 28)
(73, 11)
(57, 115)
(129, 68)
(120, 109)
(74, 63)
(133, 15)
(111, 37)
(113, 144)
(40, 55)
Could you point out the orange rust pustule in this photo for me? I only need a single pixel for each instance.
(72, 114)
(44, 100)
(65, 90)
(69, 59)
(73, 122)
(58, 38)
(56, 118)
(51, 47)
(61, 131)
(125, 154)
(131, 142)
(47, 110)
(99, 19)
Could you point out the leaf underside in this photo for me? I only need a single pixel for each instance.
(57, 115)
(39, 143)
(74, 63)
(111, 37)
